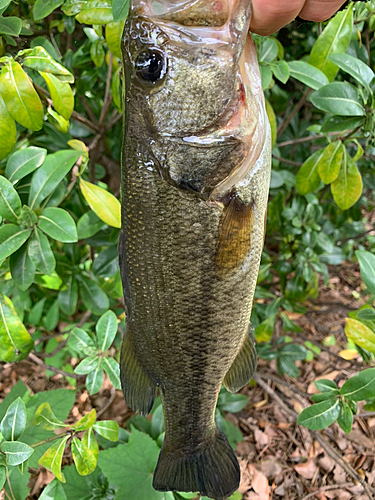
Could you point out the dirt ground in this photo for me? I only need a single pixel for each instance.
(278, 458)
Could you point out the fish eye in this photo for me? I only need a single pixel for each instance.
(151, 65)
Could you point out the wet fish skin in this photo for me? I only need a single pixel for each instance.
(190, 249)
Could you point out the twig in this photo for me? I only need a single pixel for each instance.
(107, 100)
(108, 404)
(55, 351)
(53, 369)
(305, 139)
(339, 486)
(81, 322)
(366, 414)
(88, 110)
(287, 162)
(276, 397)
(286, 122)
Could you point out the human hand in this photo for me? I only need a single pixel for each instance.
(271, 15)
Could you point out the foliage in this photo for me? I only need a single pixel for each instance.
(60, 300)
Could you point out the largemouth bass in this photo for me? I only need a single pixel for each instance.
(195, 178)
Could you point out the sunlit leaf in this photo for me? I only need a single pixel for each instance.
(307, 179)
(61, 94)
(330, 161)
(14, 422)
(347, 188)
(23, 162)
(83, 457)
(52, 458)
(360, 334)
(8, 131)
(20, 97)
(367, 265)
(103, 203)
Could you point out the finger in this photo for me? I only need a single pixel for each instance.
(271, 15)
(320, 10)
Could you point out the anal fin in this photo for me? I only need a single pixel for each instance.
(139, 390)
(244, 365)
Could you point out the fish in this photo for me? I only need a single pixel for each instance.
(196, 166)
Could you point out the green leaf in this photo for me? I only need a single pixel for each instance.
(130, 467)
(308, 74)
(93, 296)
(16, 452)
(106, 329)
(46, 179)
(367, 266)
(293, 351)
(109, 429)
(103, 203)
(8, 131)
(19, 483)
(94, 380)
(52, 458)
(266, 76)
(51, 319)
(88, 225)
(43, 8)
(23, 162)
(87, 365)
(28, 217)
(68, 297)
(323, 396)
(325, 385)
(112, 369)
(360, 386)
(58, 224)
(335, 39)
(89, 440)
(81, 342)
(61, 93)
(264, 330)
(10, 26)
(20, 98)
(272, 119)
(345, 419)
(120, 9)
(45, 417)
(231, 402)
(10, 202)
(113, 34)
(347, 188)
(330, 161)
(95, 16)
(269, 50)
(340, 123)
(281, 71)
(366, 315)
(53, 491)
(321, 415)
(40, 253)
(106, 263)
(15, 341)
(360, 334)
(97, 53)
(85, 422)
(21, 268)
(40, 60)
(12, 237)
(2, 476)
(14, 422)
(36, 312)
(354, 67)
(307, 179)
(338, 98)
(84, 458)
(59, 122)
(286, 366)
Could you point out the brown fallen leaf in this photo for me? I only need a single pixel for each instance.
(306, 470)
(259, 483)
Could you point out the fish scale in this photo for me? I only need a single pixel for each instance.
(189, 251)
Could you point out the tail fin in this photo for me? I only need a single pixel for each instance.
(211, 470)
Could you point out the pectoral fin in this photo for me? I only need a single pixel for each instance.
(139, 390)
(235, 236)
(244, 365)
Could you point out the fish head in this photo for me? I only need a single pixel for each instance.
(186, 91)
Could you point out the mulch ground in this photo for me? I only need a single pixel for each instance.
(279, 459)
